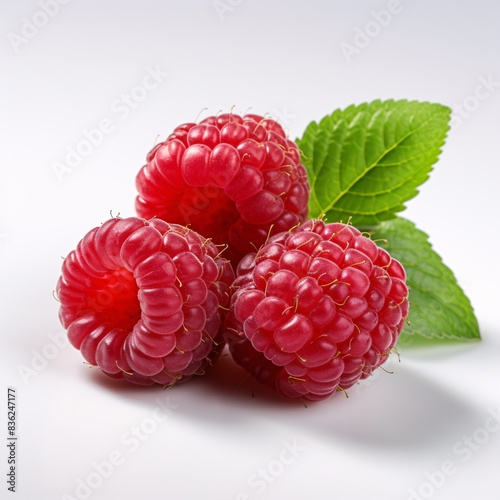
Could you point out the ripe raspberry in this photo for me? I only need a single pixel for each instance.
(140, 299)
(234, 179)
(315, 309)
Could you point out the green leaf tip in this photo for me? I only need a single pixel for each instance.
(365, 161)
(440, 312)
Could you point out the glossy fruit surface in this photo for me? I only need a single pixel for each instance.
(315, 309)
(234, 179)
(141, 300)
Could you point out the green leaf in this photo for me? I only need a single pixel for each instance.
(366, 161)
(439, 309)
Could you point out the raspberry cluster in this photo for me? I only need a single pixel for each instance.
(141, 300)
(231, 178)
(154, 299)
(315, 309)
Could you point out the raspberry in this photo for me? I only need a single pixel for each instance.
(315, 309)
(234, 179)
(140, 299)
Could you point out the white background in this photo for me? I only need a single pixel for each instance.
(69, 73)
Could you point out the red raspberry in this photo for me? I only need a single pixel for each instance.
(234, 179)
(315, 309)
(140, 299)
